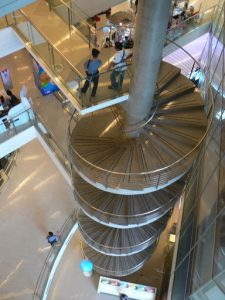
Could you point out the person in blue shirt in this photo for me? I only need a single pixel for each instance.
(123, 297)
(52, 238)
(91, 68)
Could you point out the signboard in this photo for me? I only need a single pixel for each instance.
(42, 80)
(132, 290)
(6, 79)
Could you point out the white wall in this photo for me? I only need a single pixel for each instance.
(10, 42)
(17, 141)
(26, 136)
(7, 6)
(93, 7)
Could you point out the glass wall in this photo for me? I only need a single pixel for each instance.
(200, 266)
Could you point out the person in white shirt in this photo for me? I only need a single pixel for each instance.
(119, 66)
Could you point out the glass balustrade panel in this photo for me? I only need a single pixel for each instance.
(10, 126)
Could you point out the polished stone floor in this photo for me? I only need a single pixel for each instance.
(34, 200)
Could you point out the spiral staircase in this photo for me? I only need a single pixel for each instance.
(127, 186)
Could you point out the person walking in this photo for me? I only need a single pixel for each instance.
(119, 66)
(92, 71)
(52, 238)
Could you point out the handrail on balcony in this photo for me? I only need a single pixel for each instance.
(119, 248)
(146, 252)
(5, 171)
(45, 278)
(49, 132)
(52, 45)
(128, 216)
(104, 74)
(81, 100)
(93, 32)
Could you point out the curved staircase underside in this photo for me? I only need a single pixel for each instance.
(119, 211)
(116, 241)
(117, 265)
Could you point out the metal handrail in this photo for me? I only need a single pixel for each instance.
(124, 216)
(117, 27)
(75, 70)
(172, 164)
(136, 128)
(77, 7)
(151, 237)
(9, 167)
(197, 15)
(48, 261)
(10, 121)
(50, 134)
(130, 270)
(75, 11)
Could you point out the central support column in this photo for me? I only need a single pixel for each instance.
(151, 26)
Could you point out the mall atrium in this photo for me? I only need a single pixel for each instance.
(130, 179)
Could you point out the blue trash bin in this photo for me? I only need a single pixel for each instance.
(86, 267)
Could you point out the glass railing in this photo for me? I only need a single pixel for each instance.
(7, 167)
(65, 73)
(10, 126)
(53, 258)
(191, 23)
(52, 143)
(112, 248)
(72, 15)
(5, 21)
(75, 18)
(63, 70)
(68, 76)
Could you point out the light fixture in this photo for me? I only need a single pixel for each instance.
(172, 238)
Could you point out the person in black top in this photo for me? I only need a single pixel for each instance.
(123, 297)
(128, 43)
(13, 99)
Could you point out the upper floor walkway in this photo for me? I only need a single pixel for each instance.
(61, 42)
